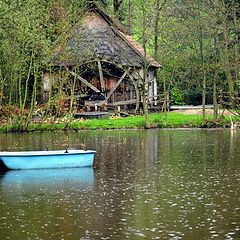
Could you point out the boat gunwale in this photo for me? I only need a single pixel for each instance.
(46, 153)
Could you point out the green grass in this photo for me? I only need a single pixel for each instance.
(175, 120)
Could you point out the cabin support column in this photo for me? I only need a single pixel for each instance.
(101, 77)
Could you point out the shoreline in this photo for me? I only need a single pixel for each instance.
(174, 120)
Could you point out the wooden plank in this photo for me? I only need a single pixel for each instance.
(101, 76)
(85, 82)
(128, 102)
(115, 87)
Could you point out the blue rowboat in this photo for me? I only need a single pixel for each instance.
(47, 159)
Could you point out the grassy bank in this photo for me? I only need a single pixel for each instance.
(175, 120)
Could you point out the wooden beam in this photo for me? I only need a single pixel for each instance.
(101, 76)
(114, 88)
(85, 82)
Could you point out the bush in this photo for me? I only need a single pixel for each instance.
(177, 96)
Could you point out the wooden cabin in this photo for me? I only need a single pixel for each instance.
(103, 63)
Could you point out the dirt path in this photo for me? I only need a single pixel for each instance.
(199, 111)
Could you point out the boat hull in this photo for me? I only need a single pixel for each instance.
(47, 159)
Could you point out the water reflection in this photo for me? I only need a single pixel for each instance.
(38, 203)
(170, 184)
(27, 180)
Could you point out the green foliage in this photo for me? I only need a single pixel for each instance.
(24, 44)
(177, 96)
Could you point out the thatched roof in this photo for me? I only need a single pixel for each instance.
(99, 37)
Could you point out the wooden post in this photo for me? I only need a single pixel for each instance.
(101, 76)
(119, 110)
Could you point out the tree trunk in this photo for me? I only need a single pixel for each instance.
(116, 6)
(225, 51)
(165, 99)
(130, 12)
(236, 44)
(1, 87)
(144, 77)
(156, 28)
(26, 83)
(72, 94)
(204, 96)
(200, 39)
(156, 25)
(34, 94)
(215, 104)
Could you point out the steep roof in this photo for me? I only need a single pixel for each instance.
(99, 37)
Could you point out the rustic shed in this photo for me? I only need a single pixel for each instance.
(104, 63)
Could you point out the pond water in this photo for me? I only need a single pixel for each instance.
(147, 184)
